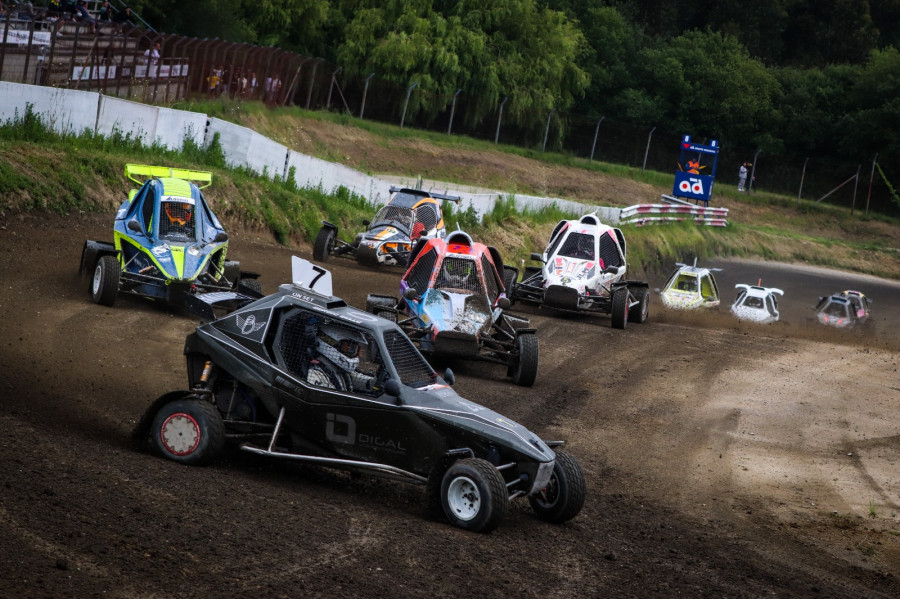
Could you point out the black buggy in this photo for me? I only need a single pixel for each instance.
(303, 376)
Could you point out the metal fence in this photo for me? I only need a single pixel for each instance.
(118, 61)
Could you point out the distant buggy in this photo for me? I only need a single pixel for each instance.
(409, 215)
(583, 270)
(756, 303)
(690, 287)
(301, 375)
(453, 303)
(843, 310)
(167, 243)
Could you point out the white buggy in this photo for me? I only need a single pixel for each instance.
(583, 270)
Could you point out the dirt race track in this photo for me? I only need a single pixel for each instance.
(723, 460)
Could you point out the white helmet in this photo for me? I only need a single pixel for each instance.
(341, 345)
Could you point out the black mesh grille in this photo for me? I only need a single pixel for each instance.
(414, 371)
(420, 274)
(459, 274)
(298, 342)
(395, 213)
(609, 251)
(176, 221)
(578, 245)
(427, 215)
(490, 279)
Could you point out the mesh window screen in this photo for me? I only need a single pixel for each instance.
(427, 215)
(460, 274)
(176, 221)
(298, 342)
(578, 245)
(490, 279)
(395, 213)
(412, 368)
(609, 251)
(420, 274)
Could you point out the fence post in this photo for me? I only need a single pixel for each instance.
(331, 87)
(647, 150)
(452, 111)
(312, 80)
(596, 133)
(547, 129)
(406, 103)
(802, 177)
(365, 93)
(499, 119)
(753, 171)
(871, 178)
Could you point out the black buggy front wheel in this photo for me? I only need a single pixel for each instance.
(324, 244)
(563, 497)
(524, 370)
(105, 282)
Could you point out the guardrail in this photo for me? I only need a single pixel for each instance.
(653, 214)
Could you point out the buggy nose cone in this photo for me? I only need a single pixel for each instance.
(559, 296)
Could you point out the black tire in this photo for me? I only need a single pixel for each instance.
(105, 282)
(473, 495)
(642, 295)
(620, 308)
(252, 284)
(189, 431)
(509, 279)
(324, 244)
(525, 371)
(563, 497)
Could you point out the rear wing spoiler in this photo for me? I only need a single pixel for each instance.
(132, 171)
(427, 194)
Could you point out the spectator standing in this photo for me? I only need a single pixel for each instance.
(253, 84)
(151, 55)
(742, 176)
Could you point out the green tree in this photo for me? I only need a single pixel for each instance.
(506, 48)
(707, 84)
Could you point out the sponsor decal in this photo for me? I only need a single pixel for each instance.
(249, 325)
(342, 429)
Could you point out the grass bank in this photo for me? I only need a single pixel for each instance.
(42, 171)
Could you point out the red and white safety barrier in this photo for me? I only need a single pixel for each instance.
(644, 214)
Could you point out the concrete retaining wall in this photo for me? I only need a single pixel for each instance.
(74, 111)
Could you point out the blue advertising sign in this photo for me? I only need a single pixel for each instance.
(696, 170)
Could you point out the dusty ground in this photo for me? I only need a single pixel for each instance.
(722, 460)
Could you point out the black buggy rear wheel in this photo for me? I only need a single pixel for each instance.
(563, 497)
(189, 431)
(642, 295)
(473, 495)
(105, 282)
(324, 244)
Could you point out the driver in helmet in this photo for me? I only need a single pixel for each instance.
(338, 349)
(181, 217)
(585, 249)
(458, 273)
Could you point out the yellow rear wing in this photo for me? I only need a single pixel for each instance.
(132, 171)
